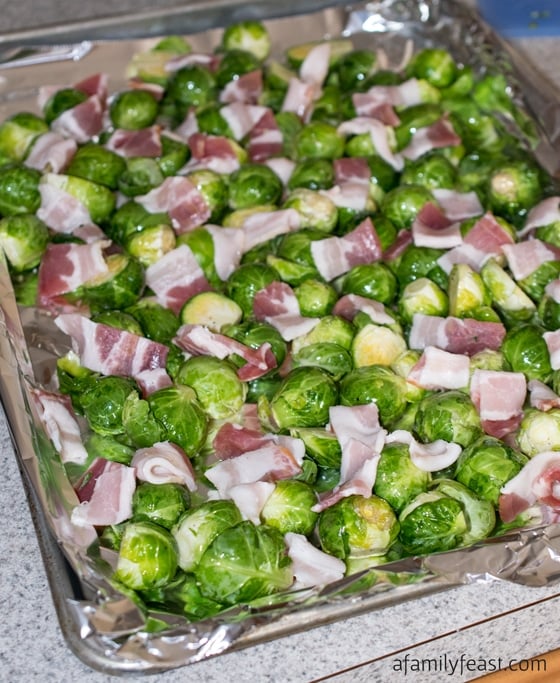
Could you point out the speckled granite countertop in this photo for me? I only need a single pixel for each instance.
(481, 623)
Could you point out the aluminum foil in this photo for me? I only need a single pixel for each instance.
(105, 628)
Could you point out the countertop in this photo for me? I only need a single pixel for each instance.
(474, 627)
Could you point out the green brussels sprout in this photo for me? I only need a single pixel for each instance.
(422, 296)
(549, 233)
(111, 536)
(331, 106)
(98, 164)
(318, 140)
(161, 504)
(102, 403)
(467, 291)
(432, 522)
(174, 155)
(214, 310)
(108, 448)
(196, 529)
(291, 272)
(254, 334)
(526, 351)
(402, 204)
(507, 296)
(296, 54)
(23, 239)
(539, 431)
(243, 563)
(26, 287)
(402, 365)
(133, 109)
(296, 246)
(99, 200)
(288, 508)
(377, 345)
(549, 313)
(398, 479)
(266, 385)
(253, 185)
(315, 298)
(150, 244)
(416, 262)
(192, 86)
(183, 419)
(220, 392)
(436, 65)
(317, 211)
(432, 170)
(414, 117)
(447, 415)
(534, 285)
(156, 321)
(213, 189)
(290, 126)
(17, 134)
(303, 399)
(61, 101)
(473, 170)
(479, 512)
(73, 379)
(372, 280)
(119, 319)
(210, 121)
(140, 427)
(235, 63)
(313, 174)
(513, 188)
(354, 68)
(147, 556)
(19, 189)
(181, 595)
(330, 329)
(375, 384)
(130, 218)
(357, 526)
(140, 176)
(322, 446)
(383, 178)
(486, 465)
(328, 356)
(246, 281)
(201, 243)
(478, 131)
(249, 35)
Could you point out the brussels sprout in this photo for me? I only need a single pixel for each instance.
(436, 65)
(375, 384)
(210, 121)
(156, 321)
(211, 309)
(486, 465)
(291, 272)
(507, 296)
(62, 100)
(414, 117)
(254, 334)
(422, 296)
(147, 556)
(119, 319)
(402, 365)
(108, 448)
(534, 285)
(102, 403)
(140, 176)
(398, 480)
(243, 563)
(313, 174)
(249, 35)
(19, 189)
(220, 392)
(479, 513)
(73, 379)
(98, 199)
(526, 351)
(447, 415)
(354, 68)
(513, 188)
(539, 431)
(316, 210)
(26, 287)
(290, 126)
(111, 536)
(183, 596)
(140, 427)
(288, 508)
(130, 218)
(402, 204)
(416, 262)
(174, 155)
(302, 400)
(473, 170)
(162, 504)
(266, 385)
(192, 86)
(296, 246)
(322, 446)
(372, 280)
(377, 345)
(149, 245)
(315, 298)
(331, 328)
(252, 185)
(18, 132)
(235, 63)
(478, 131)
(318, 140)
(326, 355)
(98, 164)
(467, 291)
(246, 281)
(432, 170)
(432, 522)
(356, 526)
(549, 313)
(133, 109)
(23, 239)
(177, 409)
(331, 107)
(213, 189)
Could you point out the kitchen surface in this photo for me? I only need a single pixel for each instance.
(464, 632)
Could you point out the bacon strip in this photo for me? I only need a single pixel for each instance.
(456, 335)
(311, 566)
(277, 305)
(181, 199)
(499, 398)
(162, 463)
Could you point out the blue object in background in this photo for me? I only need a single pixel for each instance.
(522, 18)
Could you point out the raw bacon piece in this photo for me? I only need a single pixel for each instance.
(96, 84)
(214, 152)
(282, 166)
(544, 213)
(264, 225)
(432, 228)
(299, 97)
(51, 153)
(429, 457)
(311, 566)
(176, 277)
(379, 134)
(499, 398)
(525, 257)
(402, 241)
(277, 305)
(163, 463)
(60, 210)
(199, 340)
(458, 206)
(65, 267)
(315, 66)
(110, 501)
(153, 380)
(145, 142)
(538, 481)
(82, 122)
(368, 104)
(111, 351)
(541, 396)
(228, 248)
(193, 59)
(552, 340)
(335, 256)
(247, 88)
(438, 369)
(553, 290)
(265, 138)
(232, 440)
(242, 118)
(250, 498)
(181, 199)
(456, 335)
(439, 134)
(60, 422)
(351, 304)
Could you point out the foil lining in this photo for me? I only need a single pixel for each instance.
(105, 628)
